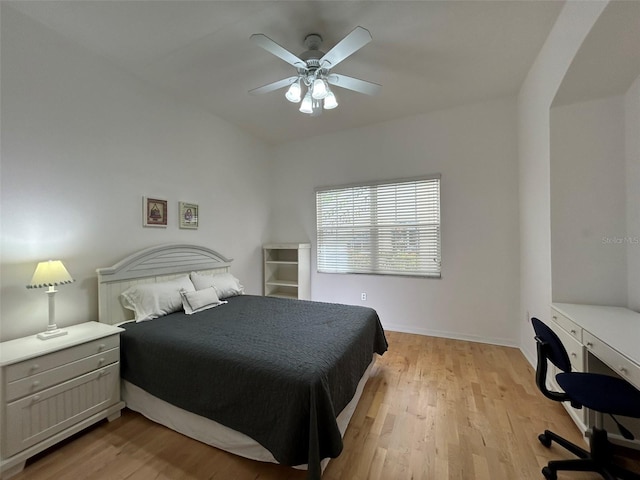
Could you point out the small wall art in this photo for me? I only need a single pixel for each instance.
(154, 212)
(188, 216)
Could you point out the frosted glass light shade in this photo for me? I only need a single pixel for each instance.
(319, 89)
(50, 274)
(307, 104)
(294, 94)
(330, 101)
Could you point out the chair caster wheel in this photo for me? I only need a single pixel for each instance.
(544, 440)
(548, 474)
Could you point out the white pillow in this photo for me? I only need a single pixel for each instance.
(194, 302)
(153, 300)
(226, 285)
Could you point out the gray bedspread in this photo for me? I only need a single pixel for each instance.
(277, 370)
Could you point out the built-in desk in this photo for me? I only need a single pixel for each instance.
(601, 340)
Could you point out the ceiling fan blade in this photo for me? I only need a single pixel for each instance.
(270, 87)
(354, 84)
(272, 47)
(357, 39)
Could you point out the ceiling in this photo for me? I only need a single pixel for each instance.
(609, 58)
(427, 55)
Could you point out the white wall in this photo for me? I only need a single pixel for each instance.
(632, 171)
(82, 143)
(534, 101)
(588, 221)
(474, 148)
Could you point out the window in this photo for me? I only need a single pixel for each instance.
(388, 228)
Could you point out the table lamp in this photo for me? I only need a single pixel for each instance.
(50, 274)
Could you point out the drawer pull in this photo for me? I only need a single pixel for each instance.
(36, 398)
(554, 317)
(589, 344)
(573, 331)
(35, 366)
(101, 347)
(574, 354)
(36, 383)
(623, 369)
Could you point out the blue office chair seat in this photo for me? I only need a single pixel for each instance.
(603, 394)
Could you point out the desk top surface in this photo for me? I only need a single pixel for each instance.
(618, 327)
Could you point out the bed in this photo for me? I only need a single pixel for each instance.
(266, 378)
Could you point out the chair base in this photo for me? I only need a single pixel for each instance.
(598, 459)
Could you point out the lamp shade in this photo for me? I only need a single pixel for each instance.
(307, 104)
(50, 274)
(330, 101)
(294, 94)
(319, 90)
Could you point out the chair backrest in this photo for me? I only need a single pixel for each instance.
(554, 350)
(549, 348)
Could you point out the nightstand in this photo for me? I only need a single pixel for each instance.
(54, 388)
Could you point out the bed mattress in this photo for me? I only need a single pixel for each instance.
(276, 370)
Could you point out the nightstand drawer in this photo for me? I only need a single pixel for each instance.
(574, 330)
(44, 363)
(615, 360)
(48, 378)
(37, 417)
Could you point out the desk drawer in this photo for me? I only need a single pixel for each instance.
(574, 348)
(615, 360)
(40, 381)
(43, 363)
(568, 325)
(576, 355)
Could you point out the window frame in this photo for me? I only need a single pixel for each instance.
(374, 227)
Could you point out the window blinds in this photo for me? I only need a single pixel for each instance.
(390, 228)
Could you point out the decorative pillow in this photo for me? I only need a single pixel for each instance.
(153, 300)
(226, 285)
(194, 302)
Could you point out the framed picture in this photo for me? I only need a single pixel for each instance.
(154, 212)
(188, 215)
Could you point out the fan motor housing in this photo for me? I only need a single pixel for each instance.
(313, 53)
(313, 41)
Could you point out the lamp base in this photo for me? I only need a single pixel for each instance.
(58, 332)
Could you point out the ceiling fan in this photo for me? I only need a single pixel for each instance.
(314, 71)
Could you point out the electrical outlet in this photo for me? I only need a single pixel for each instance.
(363, 296)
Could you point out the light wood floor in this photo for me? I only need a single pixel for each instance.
(433, 409)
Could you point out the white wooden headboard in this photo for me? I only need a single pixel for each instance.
(151, 265)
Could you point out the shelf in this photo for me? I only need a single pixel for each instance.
(282, 283)
(287, 246)
(287, 270)
(282, 295)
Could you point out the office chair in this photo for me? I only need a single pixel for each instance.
(603, 394)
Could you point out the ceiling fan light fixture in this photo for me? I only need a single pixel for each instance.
(307, 103)
(317, 108)
(294, 93)
(313, 71)
(330, 101)
(320, 89)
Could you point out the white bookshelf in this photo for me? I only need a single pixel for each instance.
(287, 270)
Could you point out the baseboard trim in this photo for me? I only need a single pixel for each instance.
(505, 342)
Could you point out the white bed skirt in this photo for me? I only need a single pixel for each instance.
(213, 433)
